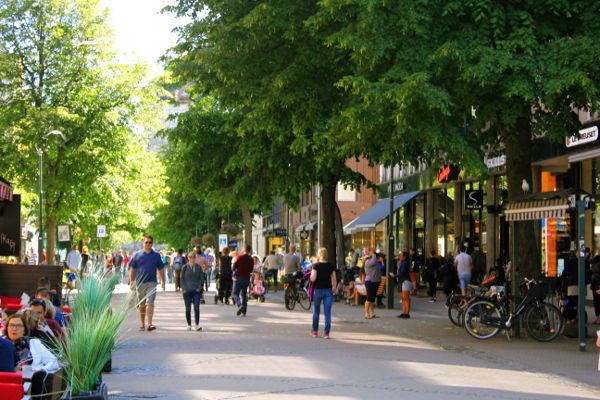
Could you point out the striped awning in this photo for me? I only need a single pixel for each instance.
(6, 192)
(530, 210)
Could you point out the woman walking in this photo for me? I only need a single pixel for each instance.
(324, 281)
(192, 280)
(404, 284)
(225, 276)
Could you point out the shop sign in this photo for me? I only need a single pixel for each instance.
(280, 232)
(495, 162)
(10, 227)
(398, 187)
(447, 173)
(473, 199)
(586, 135)
(64, 235)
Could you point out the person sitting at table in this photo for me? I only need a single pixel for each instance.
(43, 293)
(44, 282)
(38, 329)
(46, 313)
(30, 351)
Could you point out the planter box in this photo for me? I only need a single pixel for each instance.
(99, 394)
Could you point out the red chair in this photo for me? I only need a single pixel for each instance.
(11, 386)
(10, 304)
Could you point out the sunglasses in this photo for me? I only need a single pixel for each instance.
(148, 242)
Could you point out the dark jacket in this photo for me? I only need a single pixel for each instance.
(192, 278)
(595, 273)
(432, 268)
(403, 271)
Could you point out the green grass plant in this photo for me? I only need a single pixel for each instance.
(94, 331)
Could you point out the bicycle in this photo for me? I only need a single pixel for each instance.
(543, 321)
(296, 291)
(457, 303)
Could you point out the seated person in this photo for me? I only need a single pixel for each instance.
(46, 313)
(359, 288)
(8, 356)
(44, 282)
(43, 293)
(258, 288)
(30, 351)
(37, 329)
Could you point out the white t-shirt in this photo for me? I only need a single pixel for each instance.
(463, 262)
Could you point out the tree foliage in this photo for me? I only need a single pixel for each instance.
(57, 73)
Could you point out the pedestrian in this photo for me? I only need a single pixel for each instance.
(210, 266)
(85, 257)
(33, 257)
(272, 264)
(415, 269)
(324, 283)
(464, 266)
(404, 284)
(381, 264)
(373, 278)
(118, 264)
(144, 266)
(242, 269)
(225, 277)
(73, 260)
(431, 272)
(178, 262)
(192, 281)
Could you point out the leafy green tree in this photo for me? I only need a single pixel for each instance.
(276, 78)
(57, 73)
(420, 67)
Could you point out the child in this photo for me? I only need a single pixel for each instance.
(258, 289)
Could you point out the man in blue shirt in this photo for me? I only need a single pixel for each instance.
(144, 266)
(8, 356)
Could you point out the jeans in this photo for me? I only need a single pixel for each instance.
(241, 285)
(325, 296)
(188, 298)
(208, 276)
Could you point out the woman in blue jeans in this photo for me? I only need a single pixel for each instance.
(192, 281)
(324, 282)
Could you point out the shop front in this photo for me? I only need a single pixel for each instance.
(308, 238)
(276, 239)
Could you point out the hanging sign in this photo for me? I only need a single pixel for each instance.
(473, 199)
(447, 173)
(586, 135)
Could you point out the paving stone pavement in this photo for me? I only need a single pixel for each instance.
(270, 355)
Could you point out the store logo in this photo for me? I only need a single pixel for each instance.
(586, 135)
(448, 173)
(473, 199)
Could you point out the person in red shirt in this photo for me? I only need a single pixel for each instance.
(242, 268)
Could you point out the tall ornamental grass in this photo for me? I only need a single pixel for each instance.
(94, 330)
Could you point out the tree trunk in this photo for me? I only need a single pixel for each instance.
(328, 217)
(518, 166)
(339, 236)
(247, 218)
(51, 239)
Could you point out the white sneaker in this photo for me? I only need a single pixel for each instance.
(189, 327)
(198, 328)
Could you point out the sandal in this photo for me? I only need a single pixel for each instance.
(151, 328)
(142, 328)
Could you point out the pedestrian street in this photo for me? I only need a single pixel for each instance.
(269, 354)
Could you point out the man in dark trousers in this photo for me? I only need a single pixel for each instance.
(241, 272)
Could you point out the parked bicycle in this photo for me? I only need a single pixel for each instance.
(296, 291)
(457, 303)
(543, 321)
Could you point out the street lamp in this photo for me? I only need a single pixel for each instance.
(40, 153)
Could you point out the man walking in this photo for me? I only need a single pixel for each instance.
(144, 266)
(272, 263)
(242, 269)
(74, 259)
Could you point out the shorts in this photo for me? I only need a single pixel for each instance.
(465, 279)
(371, 290)
(406, 286)
(146, 293)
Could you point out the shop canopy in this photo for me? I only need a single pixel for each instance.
(6, 192)
(374, 215)
(306, 227)
(541, 205)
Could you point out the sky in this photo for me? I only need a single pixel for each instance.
(141, 31)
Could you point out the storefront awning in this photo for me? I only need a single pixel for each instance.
(540, 205)
(299, 228)
(374, 215)
(6, 192)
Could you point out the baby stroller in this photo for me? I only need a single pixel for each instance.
(257, 287)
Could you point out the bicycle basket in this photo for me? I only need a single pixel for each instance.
(540, 290)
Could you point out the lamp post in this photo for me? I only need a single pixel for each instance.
(390, 231)
(40, 152)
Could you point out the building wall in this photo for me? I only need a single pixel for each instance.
(364, 198)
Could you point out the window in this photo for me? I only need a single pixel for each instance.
(345, 193)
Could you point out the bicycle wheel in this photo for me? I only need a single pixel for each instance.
(543, 322)
(290, 298)
(481, 320)
(304, 300)
(454, 311)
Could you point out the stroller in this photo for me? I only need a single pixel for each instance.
(257, 287)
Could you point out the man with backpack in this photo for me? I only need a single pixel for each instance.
(178, 264)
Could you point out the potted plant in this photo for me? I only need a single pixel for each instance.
(92, 335)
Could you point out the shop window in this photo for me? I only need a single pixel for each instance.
(345, 193)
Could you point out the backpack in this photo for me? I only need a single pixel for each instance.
(178, 263)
